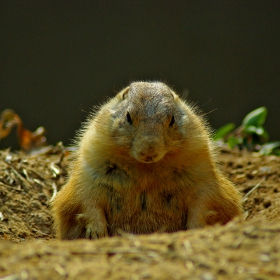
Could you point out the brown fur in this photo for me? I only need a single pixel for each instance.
(145, 163)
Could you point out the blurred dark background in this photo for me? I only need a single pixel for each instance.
(59, 58)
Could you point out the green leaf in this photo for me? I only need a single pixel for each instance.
(255, 118)
(265, 136)
(276, 152)
(268, 148)
(224, 130)
(254, 130)
(233, 141)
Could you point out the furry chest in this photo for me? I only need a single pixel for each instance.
(145, 211)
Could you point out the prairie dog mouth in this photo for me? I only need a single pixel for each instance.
(147, 158)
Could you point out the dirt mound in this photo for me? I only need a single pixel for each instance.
(239, 250)
(246, 251)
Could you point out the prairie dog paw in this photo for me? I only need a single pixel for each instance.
(95, 232)
(94, 229)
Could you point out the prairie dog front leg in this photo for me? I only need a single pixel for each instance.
(212, 210)
(95, 223)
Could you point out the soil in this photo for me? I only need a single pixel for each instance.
(248, 249)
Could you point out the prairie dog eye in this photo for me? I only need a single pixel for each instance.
(172, 121)
(128, 118)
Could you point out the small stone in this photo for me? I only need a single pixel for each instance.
(207, 276)
(265, 257)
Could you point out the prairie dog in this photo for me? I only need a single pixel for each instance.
(145, 163)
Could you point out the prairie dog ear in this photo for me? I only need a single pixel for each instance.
(123, 93)
(175, 95)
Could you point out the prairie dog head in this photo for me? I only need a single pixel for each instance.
(148, 120)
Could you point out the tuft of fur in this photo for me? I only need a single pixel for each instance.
(145, 163)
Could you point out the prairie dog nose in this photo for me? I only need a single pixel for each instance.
(148, 151)
(147, 148)
(148, 157)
